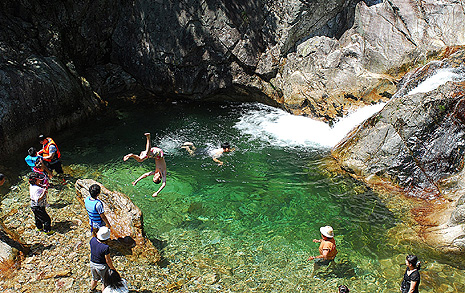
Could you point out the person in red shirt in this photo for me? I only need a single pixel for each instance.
(327, 247)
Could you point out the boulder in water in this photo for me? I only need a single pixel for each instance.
(127, 232)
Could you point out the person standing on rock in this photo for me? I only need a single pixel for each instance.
(327, 247)
(95, 209)
(411, 280)
(100, 260)
(38, 194)
(50, 154)
(159, 175)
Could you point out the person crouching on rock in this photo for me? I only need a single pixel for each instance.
(327, 247)
(95, 209)
(38, 194)
(100, 260)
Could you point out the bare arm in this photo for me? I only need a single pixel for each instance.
(44, 193)
(218, 161)
(104, 218)
(141, 177)
(412, 286)
(324, 255)
(109, 262)
(163, 184)
(47, 170)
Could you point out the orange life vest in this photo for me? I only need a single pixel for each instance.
(45, 150)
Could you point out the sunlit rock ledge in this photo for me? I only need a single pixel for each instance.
(125, 217)
(414, 147)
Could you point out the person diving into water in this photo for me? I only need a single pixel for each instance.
(159, 175)
(214, 154)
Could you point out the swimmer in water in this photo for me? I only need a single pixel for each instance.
(159, 175)
(215, 154)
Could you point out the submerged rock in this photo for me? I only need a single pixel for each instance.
(125, 218)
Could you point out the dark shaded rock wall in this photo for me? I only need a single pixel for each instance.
(316, 58)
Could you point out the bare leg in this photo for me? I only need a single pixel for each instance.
(148, 144)
(143, 155)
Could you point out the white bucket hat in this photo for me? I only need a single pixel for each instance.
(103, 233)
(327, 231)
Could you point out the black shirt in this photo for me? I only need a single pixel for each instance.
(415, 277)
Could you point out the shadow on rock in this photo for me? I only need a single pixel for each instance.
(160, 245)
(39, 248)
(62, 227)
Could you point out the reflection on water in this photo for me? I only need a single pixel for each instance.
(257, 214)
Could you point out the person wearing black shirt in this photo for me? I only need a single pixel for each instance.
(411, 280)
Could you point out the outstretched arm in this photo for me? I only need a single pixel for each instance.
(142, 177)
(217, 161)
(163, 184)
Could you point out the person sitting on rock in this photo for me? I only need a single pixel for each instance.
(100, 260)
(327, 247)
(215, 154)
(95, 209)
(159, 175)
(38, 194)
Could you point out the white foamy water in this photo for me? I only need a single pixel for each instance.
(283, 129)
(439, 78)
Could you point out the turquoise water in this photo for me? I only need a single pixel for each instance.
(257, 214)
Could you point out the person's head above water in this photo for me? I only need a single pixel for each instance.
(226, 146)
(343, 289)
(327, 231)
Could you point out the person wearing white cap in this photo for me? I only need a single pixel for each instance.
(100, 259)
(327, 248)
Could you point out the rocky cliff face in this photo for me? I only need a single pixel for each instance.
(416, 145)
(317, 58)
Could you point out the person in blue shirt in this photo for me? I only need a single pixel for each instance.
(95, 210)
(32, 157)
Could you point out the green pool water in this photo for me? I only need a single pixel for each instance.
(257, 214)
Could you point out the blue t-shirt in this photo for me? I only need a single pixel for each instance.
(98, 250)
(31, 161)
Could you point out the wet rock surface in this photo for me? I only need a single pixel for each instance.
(413, 146)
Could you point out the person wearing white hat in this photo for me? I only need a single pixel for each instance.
(100, 259)
(327, 248)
